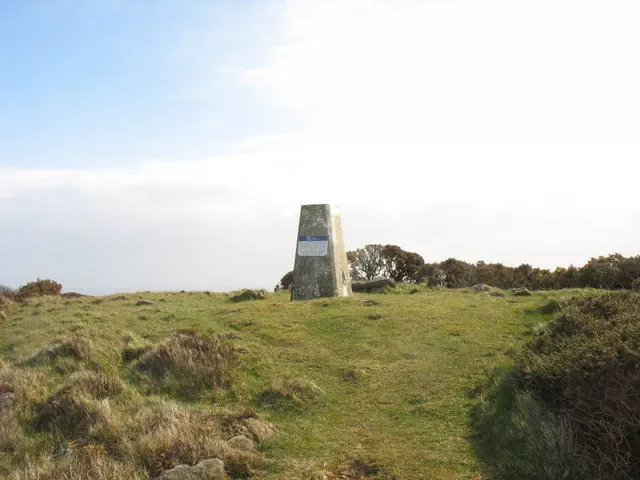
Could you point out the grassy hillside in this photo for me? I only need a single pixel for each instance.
(375, 386)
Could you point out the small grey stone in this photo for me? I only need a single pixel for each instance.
(521, 292)
(368, 303)
(481, 287)
(240, 442)
(212, 469)
(181, 472)
(258, 429)
(144, 302)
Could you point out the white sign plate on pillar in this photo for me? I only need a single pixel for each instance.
(316, 246)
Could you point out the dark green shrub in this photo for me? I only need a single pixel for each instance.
(586, 365)
(286, 280)
(39, 288)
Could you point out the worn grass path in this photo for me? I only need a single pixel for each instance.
(399, 377)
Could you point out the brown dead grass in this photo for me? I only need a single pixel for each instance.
(75, 347)
(189, 363)
(80, 409)
(88, 462)
(170, 436)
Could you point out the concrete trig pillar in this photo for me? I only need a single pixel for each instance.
(321, 268)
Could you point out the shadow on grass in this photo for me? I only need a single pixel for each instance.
(514, 436)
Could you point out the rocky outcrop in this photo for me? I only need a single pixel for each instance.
(481, 287)
(248, 295)
(258, 429)
(521, 292)
(241, 442)
(373, 286)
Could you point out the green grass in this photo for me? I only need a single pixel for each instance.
(392, 384)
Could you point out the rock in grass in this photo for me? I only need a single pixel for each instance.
(373, 286)
(210, 469)
(481, 287)
(521, 292)
(3, 316)
(368, 303)
(248, 295)
(259, 430)
(241, 442)
(144, 302)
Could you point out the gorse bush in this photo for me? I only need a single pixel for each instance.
(586, 365)
(39, 288)
(286, 280)
(519, 437)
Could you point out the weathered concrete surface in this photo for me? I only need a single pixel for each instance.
(321, 267)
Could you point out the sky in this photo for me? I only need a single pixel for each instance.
(169, 144)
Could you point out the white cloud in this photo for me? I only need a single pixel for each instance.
(495, 130)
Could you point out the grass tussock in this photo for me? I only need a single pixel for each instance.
(188, 363)
(291, 392)
(170, 436)
(80, 409)
(76, 348)
(134, 347)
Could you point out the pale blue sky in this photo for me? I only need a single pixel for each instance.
(156, 144)
(94, 83)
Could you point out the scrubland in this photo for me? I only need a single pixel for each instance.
(416, 383)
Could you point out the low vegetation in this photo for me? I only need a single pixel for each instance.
(570, 407)
(380, 386)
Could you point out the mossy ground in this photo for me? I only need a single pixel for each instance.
(397, 379)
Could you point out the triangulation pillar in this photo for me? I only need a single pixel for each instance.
(321, 268)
